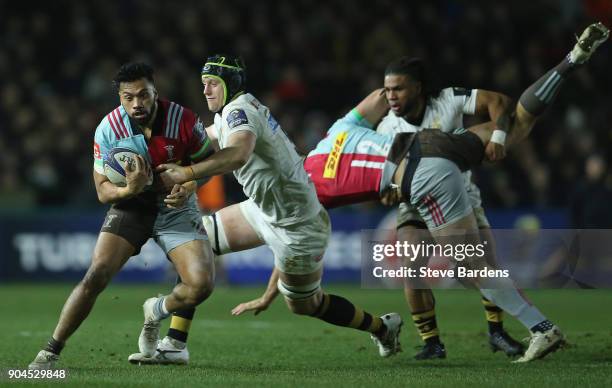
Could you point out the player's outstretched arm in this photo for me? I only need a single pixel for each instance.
(536, 99)
(492, 103)
(495, 105)
(260, 304)
(374, 107)
(235, 154)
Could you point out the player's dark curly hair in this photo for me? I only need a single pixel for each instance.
(415, 68)
(133, 71)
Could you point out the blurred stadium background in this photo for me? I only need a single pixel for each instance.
(310, 62)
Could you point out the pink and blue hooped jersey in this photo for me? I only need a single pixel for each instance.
(178, 136)
(350, 164)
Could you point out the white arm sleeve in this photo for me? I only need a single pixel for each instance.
(469, 105)
(465, 100)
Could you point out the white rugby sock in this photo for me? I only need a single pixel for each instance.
(164, 309)
(511, 301)
(160, 310)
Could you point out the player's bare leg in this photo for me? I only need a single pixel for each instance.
(420, 297)
(228, 231)
(238, 233)
(499, 338)
(534, 101)
(541, 94)
(110, 254)
(194, 264)
(545, 336)
(421, 301)
(231, 231)
(304, 296)
(417, 293)
(193, 261)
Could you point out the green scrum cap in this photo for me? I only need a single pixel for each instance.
(230, 71)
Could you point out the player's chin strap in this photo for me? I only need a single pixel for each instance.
(216, 234)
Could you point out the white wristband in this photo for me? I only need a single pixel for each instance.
(498, 137)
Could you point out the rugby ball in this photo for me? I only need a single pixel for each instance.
(114, 162)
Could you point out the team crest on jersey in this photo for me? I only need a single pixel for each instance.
(236, 117)
(170, 150)
(331, 165)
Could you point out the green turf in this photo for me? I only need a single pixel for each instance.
(278, 349)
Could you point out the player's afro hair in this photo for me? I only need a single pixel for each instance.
(414, 67)
(133, 71)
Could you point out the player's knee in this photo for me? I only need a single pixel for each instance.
(96, 279)
(302, 300)
(302, 307)
(200, 290)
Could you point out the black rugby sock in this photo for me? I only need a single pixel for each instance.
(494, 315)
(542, 93)
(341, 312)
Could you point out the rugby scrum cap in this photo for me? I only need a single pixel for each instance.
(230, 71)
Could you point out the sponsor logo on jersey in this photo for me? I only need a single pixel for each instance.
(272, 123)
(236, 117)
(96, 151)
(331, 165)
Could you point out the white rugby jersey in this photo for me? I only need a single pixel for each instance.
(444, 112)
(274, 176)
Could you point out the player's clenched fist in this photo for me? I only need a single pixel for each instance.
(136, 174)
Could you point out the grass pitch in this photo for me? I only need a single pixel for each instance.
(279, 349)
